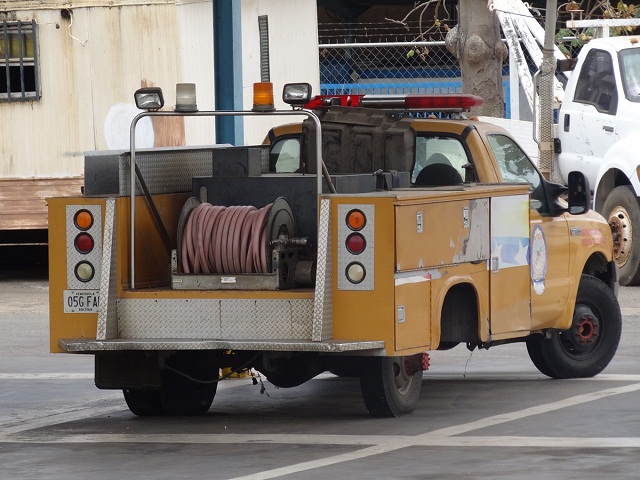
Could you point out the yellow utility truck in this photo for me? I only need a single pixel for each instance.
(355, 241)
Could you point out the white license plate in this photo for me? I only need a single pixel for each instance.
(81, 301)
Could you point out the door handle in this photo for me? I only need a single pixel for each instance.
(607, 128)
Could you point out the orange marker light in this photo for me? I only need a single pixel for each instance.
(356, 220)
(83, 219)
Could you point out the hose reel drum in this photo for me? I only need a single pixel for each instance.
(240, 247)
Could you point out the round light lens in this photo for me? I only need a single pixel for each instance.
(84, 243)
(356, 220)
(355, 272)
(83, 219)
(84, 271)
(356, 243)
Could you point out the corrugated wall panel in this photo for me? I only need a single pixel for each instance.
(88, 81)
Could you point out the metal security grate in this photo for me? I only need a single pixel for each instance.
(19, 72)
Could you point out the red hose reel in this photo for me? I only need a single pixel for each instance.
(214, 239)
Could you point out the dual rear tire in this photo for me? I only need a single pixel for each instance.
(389, 388)
(189, 384)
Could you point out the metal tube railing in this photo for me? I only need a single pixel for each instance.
(321, 169)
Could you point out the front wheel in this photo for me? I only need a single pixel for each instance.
(389, 386)
(587, 347)
(623, 214)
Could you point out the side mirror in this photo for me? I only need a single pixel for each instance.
(579, 193)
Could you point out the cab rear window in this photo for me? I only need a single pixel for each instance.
(438, 157)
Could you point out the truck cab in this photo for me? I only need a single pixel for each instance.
(598, 123)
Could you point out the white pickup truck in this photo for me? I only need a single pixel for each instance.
(599, 134)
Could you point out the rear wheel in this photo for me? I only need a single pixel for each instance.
(389, 388)
(587, 347)
(623, 214)
(143, 403)
(189, 383)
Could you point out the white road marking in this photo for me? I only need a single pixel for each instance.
(18, 422)
(24, 421)
(46, 376)
(537, 410)
(471, 376)
(392, 442)
(22, 431)
(445, 436)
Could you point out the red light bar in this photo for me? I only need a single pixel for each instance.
(442, 102)
(453, 102)
(334, 100)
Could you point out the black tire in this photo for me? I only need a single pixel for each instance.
(143, 403)
(585, 349)
(623, 214)
(387, 389)
(537, 356)
(189, 383)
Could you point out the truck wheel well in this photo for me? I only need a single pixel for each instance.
(610, 180)
(597, 266)
(459, 316)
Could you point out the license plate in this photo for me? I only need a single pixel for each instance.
(81, 301)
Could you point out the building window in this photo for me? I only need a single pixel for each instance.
(19, 75)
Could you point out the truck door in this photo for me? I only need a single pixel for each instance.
(548, 246)
(588, 120)
(509, 269)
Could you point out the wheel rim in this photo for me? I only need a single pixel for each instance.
(584, 335)
(400, 376)
(622, 231)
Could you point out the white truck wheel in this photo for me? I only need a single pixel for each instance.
(623, 214)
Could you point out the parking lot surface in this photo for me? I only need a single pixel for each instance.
(482, 414)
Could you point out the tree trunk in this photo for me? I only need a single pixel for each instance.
(477, 45)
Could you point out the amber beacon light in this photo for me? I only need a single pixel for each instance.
(263, 97)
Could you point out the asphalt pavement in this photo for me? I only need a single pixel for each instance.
(482, 415)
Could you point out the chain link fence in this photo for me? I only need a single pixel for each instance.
(387, 59)
(383, 59)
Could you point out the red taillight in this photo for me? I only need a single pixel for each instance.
(356, 243)
(84, 243)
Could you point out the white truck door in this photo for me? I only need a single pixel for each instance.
(587, 123)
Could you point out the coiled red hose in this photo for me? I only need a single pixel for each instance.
(225, 240)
